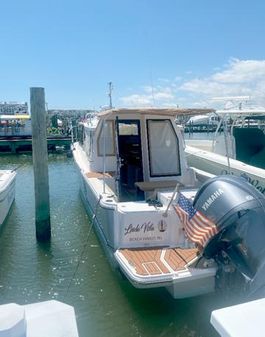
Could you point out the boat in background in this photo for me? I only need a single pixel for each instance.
(7, 192)
(238, 150)
(202, 123)
(218, 165)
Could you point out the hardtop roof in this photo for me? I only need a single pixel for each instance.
(155, 111)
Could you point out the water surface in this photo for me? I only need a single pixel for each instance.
(74, 269)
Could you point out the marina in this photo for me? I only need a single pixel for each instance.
(132, 169)
(73, 268)
(137, 197)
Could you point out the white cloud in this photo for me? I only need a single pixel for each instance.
(137, 100)
(236, 78)
(151, 96)
(239, 77)
(160, 95)
(241, 72)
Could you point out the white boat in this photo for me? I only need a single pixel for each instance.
(7, 192)
(134, 174)
(218, 165)
(207, 122)
(240, 150)
(130, 162)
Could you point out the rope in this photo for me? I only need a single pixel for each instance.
(84, 248)
(16, 168)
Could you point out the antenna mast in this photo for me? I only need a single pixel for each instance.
(110, 94)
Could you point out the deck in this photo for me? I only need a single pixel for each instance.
(100, 175)
(158, 261)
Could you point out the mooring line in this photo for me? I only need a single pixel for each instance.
(84, 248)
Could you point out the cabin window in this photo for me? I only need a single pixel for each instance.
(163, 148)
(128, 128)
(106, 139)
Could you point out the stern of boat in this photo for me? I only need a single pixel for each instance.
(172, 268)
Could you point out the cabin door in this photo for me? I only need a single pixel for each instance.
(130, 153)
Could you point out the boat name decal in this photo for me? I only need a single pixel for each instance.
(212, 198)
(254, 182)
(144, 227)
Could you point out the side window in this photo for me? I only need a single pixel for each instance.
(88, 142)
(106, 139)
(163, 148)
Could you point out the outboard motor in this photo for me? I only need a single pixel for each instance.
(238, 210)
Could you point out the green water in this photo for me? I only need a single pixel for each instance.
(73, 267)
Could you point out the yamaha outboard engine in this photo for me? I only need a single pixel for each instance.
(238, 210)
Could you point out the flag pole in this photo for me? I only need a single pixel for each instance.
(171, 200)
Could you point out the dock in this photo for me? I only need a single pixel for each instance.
(22, 144)
(48, 318)
(241, 320)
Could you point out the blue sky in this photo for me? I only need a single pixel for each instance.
(156, 53)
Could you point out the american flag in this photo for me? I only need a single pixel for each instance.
(197, 226)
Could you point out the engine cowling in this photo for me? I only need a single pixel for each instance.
(238, 210)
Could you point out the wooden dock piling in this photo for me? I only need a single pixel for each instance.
(40, 164)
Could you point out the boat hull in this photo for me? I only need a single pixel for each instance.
(99, 217)
(218, 165)
(180, 284)
(7, 193)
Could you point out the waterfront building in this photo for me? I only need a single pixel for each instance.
(14, 108)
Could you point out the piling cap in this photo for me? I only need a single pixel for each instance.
(12, 321)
